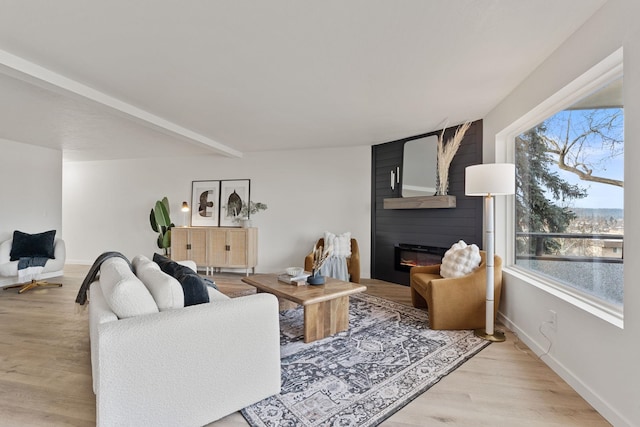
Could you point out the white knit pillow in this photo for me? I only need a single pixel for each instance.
(165, 289)
(460, 260)
(125, 294)
(341, 243)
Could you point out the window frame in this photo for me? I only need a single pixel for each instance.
(603, 73)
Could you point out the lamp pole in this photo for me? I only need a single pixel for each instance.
(489, 180)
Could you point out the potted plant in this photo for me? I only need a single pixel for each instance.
(161, 224)
(247, 210)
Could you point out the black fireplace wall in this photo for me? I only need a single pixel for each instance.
(429, 227)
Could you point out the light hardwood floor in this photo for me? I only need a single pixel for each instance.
(45, 370)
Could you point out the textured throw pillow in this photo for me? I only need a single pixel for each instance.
(32, 245)
(341, 243)
(166, 290)
(194, 287)
(125, 294)
(460, 260)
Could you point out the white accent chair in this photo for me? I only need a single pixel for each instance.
(9, 269)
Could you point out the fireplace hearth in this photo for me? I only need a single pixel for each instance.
(408, 255)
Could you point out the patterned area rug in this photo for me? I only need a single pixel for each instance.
(362, 376)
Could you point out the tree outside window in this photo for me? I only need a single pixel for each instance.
(569, 196)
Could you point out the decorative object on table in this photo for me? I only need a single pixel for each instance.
(490, 180)
(233, 194)
(299, 278)
(248, 208)
(161, 224)
(205, 201)
(294, 271)
(320, 256)
(185, 209)
(446, 152)
(362, 376)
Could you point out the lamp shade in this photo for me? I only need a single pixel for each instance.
(490, 178)
(185, 207)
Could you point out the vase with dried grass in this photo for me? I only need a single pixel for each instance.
(320, 255)
(446, 151)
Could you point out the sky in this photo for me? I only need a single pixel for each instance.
(599, 195)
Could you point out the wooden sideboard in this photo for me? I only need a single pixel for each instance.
(215, 248)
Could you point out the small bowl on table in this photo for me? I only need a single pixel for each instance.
(294, 271)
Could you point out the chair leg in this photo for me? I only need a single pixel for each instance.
(24, 287)
(38, 284)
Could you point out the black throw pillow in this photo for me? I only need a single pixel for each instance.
(32, 245)
(194, 287)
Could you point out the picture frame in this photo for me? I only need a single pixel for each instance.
(205, 203)
(233, 193)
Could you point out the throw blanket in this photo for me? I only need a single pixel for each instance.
(29, 268)
(336, 267)
(93, 273)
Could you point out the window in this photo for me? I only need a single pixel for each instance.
(569, 213)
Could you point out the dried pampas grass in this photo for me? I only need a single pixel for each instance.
(445, 156)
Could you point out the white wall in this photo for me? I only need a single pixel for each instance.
(107, 203)
(598, 359)
(30, 189)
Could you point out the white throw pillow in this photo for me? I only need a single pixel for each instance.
(125, 294)
(165, 289)
(460, 260)
(341, 243)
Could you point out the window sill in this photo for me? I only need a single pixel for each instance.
(606, 312)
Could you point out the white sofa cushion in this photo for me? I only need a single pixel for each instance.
(460, 260)
(125, 294)
(166, 290)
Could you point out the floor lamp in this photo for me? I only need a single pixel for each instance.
(488, 180)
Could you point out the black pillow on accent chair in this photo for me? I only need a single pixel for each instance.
(32, 245)
(193, 286)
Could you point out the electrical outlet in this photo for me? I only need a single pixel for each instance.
(552, 320)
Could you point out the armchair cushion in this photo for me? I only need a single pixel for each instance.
(460, 260)
(341, 243)
(32, 245)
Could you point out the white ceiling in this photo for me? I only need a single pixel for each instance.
(121, 78)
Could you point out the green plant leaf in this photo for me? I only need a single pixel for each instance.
(165, 202)
(162, 215)
(152, 220)
(166, 239)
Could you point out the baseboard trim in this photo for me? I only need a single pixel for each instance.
(588, 394)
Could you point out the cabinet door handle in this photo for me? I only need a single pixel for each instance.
(227, 247)
(393, 180)
(397, 174)
(188, 246)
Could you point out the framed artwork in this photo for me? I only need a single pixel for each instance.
(205, 203)
(233, 194)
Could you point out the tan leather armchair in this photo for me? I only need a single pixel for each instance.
(353, 262)
(455, 303)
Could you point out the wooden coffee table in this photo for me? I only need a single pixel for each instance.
(326, 307)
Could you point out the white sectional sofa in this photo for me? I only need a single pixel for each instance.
(172, 366)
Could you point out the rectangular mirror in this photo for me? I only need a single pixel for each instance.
(419, 167)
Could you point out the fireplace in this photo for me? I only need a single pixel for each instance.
(407, 256)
